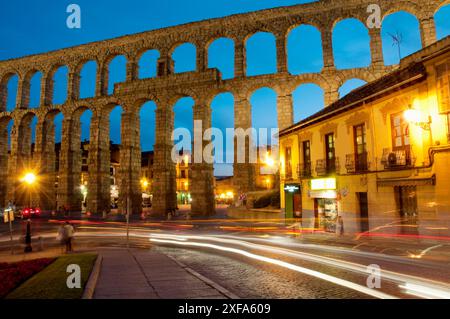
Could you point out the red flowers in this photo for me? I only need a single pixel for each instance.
(12, 275)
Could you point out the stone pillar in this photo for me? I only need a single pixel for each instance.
(73, 86)
(3, 97)
(19, 161)
(164, 168)
(23, 94)
(376, 47)
(282, 62)
(3, 163)
(47, 89)
(202, 58)
(130, 164)
(427, 31)
(99, 180)
(240, 59)
(327, 45)
(132, 70)
(201, 172)
(13, 178)
(165, 65)
(244, 172)
(101, 86)
(44, 156)
(285, 110)
(69, 193)
(331, 96)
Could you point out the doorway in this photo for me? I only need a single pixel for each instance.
(363, 201)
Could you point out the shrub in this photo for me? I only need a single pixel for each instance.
(14, 274)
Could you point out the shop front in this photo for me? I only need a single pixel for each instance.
(293, 201)
(324, 193)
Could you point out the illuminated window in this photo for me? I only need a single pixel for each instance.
(306, 158)
(330, 153)
(443, 86)
(360, 144)
(400, 131)
(288, 155)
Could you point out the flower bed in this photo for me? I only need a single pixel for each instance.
(14, 274)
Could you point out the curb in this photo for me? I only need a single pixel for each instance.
(93, 277)
(207, 281)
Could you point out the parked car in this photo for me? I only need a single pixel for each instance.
(30, 213)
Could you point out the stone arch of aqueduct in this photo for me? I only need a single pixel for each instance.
(202, 85)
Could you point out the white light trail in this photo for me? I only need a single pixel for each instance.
(425, 292)
(427, 285)
(306, 271)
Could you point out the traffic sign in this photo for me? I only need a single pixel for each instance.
(8, 216)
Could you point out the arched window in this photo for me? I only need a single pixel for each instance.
(351, 44)
(88, 78)
(60, 80)
(148, 64)
(442, 21)
(261, 54)
(148, 125)
(308, 99)
(222, 118)
(185, 58)
(117, 72)
(221, 56)
(305, 50)
(404, 27)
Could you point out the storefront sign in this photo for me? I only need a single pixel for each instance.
(323, 184)
(292, 188)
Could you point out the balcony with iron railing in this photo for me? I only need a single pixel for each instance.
(397, 159)
(304, 170)
(327, 167)
(357, 163)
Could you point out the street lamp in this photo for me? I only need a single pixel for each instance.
(29, 179)
(415, 116)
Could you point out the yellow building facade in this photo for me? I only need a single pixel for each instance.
(379, 158)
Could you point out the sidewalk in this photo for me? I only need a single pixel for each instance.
(146, 274)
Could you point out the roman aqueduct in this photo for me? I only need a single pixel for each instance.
(165, 89)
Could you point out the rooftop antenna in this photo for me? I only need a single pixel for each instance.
(397, 40)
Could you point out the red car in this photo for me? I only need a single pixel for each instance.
(31, 213)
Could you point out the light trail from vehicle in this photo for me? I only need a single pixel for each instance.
(306, 271)
(427, 285)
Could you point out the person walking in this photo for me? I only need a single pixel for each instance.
(65, 236)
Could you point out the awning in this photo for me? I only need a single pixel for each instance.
(404, 182)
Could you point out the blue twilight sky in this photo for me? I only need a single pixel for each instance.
(28, 27)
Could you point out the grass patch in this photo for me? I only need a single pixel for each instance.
(51, 282)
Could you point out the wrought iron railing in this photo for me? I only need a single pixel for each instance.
(397, 158)
(304, 170)
(327, 167)
(356, 163)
